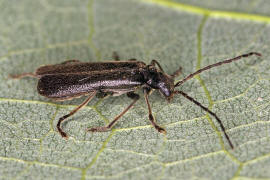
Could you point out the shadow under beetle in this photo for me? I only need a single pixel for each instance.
(73, 78)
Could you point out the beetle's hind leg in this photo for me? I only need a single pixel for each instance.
(131, 95)
(85, 102)
(19, 76)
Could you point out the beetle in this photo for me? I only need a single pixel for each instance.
(74, 78)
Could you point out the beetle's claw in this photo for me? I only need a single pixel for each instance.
(161, 130)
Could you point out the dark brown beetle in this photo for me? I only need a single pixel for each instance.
(73, 78)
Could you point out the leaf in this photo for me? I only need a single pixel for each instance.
(34, 33)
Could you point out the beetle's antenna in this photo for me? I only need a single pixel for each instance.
(207, 110)
(214, 65)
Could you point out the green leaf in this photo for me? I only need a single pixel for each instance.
(34, 33)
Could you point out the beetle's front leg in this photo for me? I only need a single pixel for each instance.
(131, 95)
(151, 118)
(154, 62)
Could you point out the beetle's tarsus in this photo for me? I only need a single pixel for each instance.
(64, 135)
(161, 130)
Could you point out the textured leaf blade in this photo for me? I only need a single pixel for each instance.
(35, 33)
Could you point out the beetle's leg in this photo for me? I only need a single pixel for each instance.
(88, 99)
(177, 72)
(151, 118)
(70, 61)
(115, 56)
(102, 95)
(131, 95)
(19, 76)
(154, 62)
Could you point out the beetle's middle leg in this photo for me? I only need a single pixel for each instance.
(101, 95)
(131, 95)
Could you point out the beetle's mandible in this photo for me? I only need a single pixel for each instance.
(74, 78)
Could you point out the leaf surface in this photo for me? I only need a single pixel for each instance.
(35, 33)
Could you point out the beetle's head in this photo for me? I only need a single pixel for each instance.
(157, 79)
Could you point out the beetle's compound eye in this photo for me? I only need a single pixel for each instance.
(164, 89)
(152, 69)
(166, 85)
